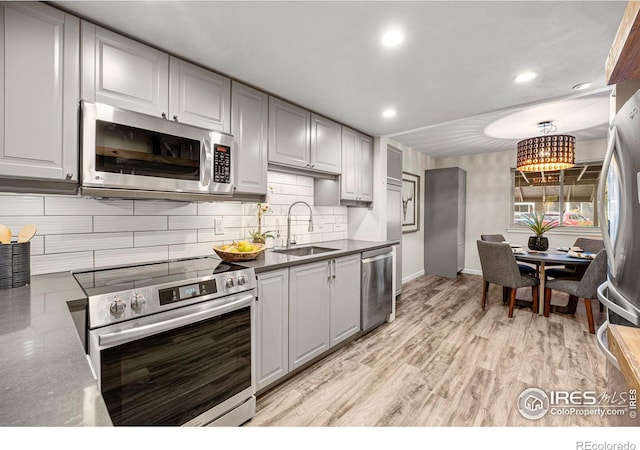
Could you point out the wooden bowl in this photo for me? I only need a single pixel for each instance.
(240, 256)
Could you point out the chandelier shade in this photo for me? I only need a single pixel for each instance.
(546, 153)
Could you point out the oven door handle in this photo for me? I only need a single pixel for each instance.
(124, 336)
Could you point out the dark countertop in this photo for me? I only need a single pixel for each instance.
(270, 260)
(45, 378)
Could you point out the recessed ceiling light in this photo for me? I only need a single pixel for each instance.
(525, 76)
(389, 112)
(581, 86)
(392, 38)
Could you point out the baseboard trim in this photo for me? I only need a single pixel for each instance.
(413, 276)
(472, 271)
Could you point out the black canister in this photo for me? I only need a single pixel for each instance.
(21, 264)
(6, 266)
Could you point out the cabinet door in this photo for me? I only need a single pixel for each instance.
(39, 92)
(272, 337)
(198, 96)
(124, 73)
(345, 298)
(250, 111)
(350, 158)
(289, 127)
(365, 169)
(309, 293)
(326, 144)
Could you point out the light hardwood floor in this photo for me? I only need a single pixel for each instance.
(444, 362)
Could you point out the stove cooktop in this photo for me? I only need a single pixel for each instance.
(115, 279)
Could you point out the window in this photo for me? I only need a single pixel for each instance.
(567, 196)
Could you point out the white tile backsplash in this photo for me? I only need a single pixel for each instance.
(153, 238)
(65, 243)
(83, 233)
(14, 205)
(104, 224)
(81, 206)
(164, 208)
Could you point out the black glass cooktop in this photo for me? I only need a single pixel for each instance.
(114, 279)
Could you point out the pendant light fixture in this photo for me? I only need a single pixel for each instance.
(548, 152)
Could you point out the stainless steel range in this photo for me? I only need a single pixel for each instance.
(171, 343)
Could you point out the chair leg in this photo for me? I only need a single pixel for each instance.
(485, 289)
(535, 297)
(505, 294)
(572, 305)
(601, 307)
(547, 302)
(512, 302)
(587, 305)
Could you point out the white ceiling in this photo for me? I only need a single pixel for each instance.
(450, 79)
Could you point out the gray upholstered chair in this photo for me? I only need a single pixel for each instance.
(524, 268)
(572, 272)
(499, 267)
(585, 288)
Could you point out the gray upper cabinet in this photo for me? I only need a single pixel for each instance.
(300, 139)
(326, 144)
(272, 327)
(198, 96)
(345, 298)
(249, 122)
(309, 293)
(356, 183)
(39, 92)
(124, 73)
(289, 128)
(127, 74)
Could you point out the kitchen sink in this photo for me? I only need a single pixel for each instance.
(304, 251)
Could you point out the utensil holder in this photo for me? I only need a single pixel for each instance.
(15, 265)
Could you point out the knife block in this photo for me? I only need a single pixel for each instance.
(15, 265)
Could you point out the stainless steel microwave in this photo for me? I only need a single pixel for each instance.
(131, 155)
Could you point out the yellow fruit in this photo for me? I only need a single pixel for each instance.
(233, 250)
(225, 247)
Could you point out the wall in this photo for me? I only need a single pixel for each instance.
(83, 233)
(413, 243)
(489, 199)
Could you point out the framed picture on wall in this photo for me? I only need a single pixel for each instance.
(410, 202)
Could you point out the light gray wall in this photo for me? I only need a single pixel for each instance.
(83, 233)
(489, 198)
(413, 243)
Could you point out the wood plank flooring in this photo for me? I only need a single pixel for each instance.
(444, 362)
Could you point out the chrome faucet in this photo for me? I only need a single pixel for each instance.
(289, 241)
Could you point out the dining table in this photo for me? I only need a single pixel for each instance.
(551, 257)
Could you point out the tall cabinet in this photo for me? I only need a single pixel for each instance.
(444, 221)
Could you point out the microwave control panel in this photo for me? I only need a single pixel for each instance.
(221, 163)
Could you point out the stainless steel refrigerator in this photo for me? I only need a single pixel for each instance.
(619, 215)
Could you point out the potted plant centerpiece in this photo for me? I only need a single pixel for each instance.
(536, 223)
(257, 235)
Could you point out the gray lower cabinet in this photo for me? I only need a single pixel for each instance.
(39, 92)
(324, 306)
(309, 311)
(345, 298)
(272, 327)
(249, 122)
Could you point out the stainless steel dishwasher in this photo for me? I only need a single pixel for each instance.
(377, 295)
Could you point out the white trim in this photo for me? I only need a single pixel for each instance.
(472, 271)
(412, 276)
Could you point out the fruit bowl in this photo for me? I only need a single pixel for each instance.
(233, 256)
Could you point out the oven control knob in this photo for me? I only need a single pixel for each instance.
(137, 301)
(229, 282)
(242, 280)
(117, 306)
